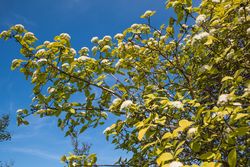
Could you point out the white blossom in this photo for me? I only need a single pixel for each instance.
(65, 65)
(126, 104)
(118, 63)
(28, 35)
(40, 51)
(119, 36)
(223, 98)
(19, 27)
(46, 43)
(83, 58)
(248, 31)
(51, 90)
(175, 164)
(216, 1)
(84, 49)
(199, 36)
(106, 130)
(237, 104)
(65, 36)
(107, 38)
(73, 51)
(105, 61)
(94, 49)
(101, 42)
(94, 39)
(19, 111)
(200, 19)
(148, 13)
(135, 26)
(177, 104)
(191, 131)
(104, 114)
(116, 101)
(41, 61)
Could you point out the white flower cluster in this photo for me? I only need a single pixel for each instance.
(116, 101)
(19, 27)
(175, 164)
(148, 13)
(46, 43)
(28, 35)
(73, 51)
(83, 58)
(248, 31)
(106, 130)
(199, 37)
(40, 52)
(105, 61)
(216, 1)
(200, 19)
(177, 104)
(191, 132)
(94, 39)
(223, 98)
(84, 51)
(126, 104)
(119, 36)
(135, 26)
(51, 90)
(107, 38)
(65, 36)
(41, 61)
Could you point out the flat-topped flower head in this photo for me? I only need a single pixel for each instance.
(83, 58)
(126, 104)
(84, 51)
(191, 132)
(106, 130)
(51, 90)
(148, 13)
(216, 1)
(107, 38)
(40, 52)
(105, 61)
(28, 35)
(135, 26)
(94, 39)
(175, 164)
(19, 27)
(72, 51)
(65, 36)
(223, 98)
(248, 31)
(46, 43)
(200, 19)
(41, 61)
(177, 104)
(119, 36)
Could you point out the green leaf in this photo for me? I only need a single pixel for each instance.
(232, 158)
(164, 157)
(142, 133)
(226, 78)
(167, 135)
(185, 123)
(207, 156)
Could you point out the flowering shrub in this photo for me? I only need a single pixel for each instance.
(180, 91)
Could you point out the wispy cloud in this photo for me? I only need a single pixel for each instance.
(36, 152)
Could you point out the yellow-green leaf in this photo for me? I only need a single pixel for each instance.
(142, 133)
(185, 123)
(167, 135)
(164, 157)
(232, 158)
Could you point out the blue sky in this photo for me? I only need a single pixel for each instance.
(42, 143)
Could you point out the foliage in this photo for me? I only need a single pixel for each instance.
(4, 123)
(180, 92)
